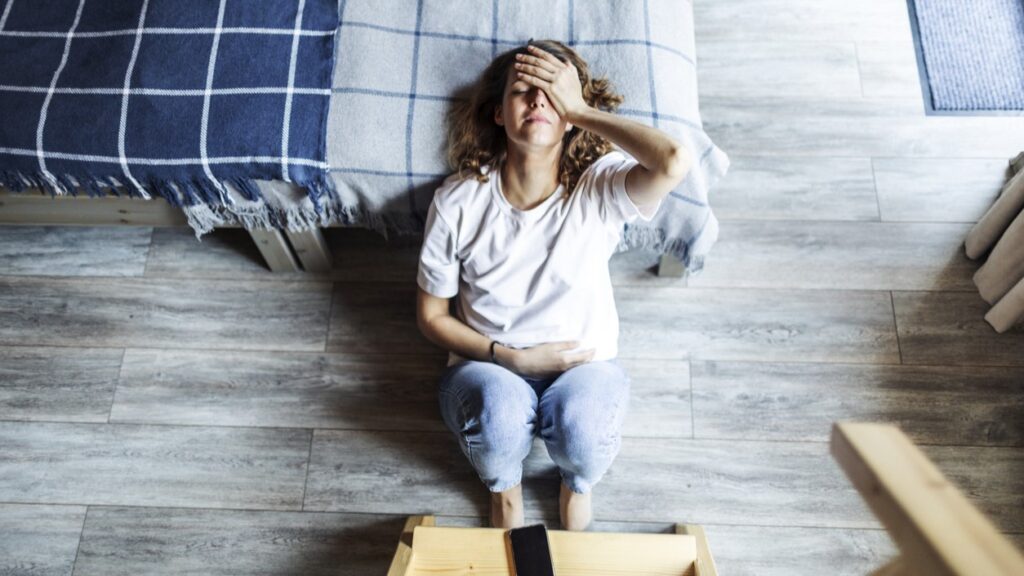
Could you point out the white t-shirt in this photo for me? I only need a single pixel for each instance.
(528, 277)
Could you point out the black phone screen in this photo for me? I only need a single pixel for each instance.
(530, 551)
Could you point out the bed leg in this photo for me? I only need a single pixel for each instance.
(670, 267)
(275, 250)
(1017, 164)
(312, 250)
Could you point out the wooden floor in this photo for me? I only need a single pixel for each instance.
(171, 407)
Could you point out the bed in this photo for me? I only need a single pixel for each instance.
(396, 68)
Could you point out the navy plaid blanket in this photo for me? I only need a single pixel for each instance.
(181, 99)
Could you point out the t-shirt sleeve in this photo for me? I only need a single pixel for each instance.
(609, 182)
(438, 271)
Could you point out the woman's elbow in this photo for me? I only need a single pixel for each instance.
(428, 309)
(677, 166)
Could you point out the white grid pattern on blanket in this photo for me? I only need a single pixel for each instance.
(49, 95)
(164, 30)
(289, 93)
(170, 91)
(203, 127)
(7, 12)
(125, 97)
(142, 161)
(125, 91)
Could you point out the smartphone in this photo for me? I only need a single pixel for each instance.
(530, 551)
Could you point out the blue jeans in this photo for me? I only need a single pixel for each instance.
(495, 413)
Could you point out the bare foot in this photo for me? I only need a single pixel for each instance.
(507, 508)
(575, 509)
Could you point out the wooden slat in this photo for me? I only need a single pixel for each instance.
(1017, 163)
(937, 529)
(670, 267)
(403, 555)
(31, 207)
(311, 249)
(443, 550)
(704, 564)
(275, 250)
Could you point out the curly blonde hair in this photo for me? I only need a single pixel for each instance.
(476, 141)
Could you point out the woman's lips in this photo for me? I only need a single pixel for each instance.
(537, 119)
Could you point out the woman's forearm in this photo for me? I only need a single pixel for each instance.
(453, 334)
(652, 148)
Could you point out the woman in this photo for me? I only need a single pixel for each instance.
(522, 234)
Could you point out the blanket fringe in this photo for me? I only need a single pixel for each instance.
(298, 218)
(205, 203)
(653, 239)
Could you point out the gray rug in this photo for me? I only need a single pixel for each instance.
(973, 52)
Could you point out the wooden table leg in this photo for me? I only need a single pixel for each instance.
(670, 267)
(312, 250)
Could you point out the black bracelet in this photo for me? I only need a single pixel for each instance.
(493, 359)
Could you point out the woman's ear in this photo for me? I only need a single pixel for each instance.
(497, 116)
(568, 126)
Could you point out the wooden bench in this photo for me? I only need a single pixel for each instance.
(424, 548)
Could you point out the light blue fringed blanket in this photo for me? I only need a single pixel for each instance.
(183, 99)
(401, 66)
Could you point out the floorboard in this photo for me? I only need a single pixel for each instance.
(40, 540)
(59, 384)
(133, 465)
(121, 312)
(952, 405)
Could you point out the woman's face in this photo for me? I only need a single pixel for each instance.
(527, 115)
